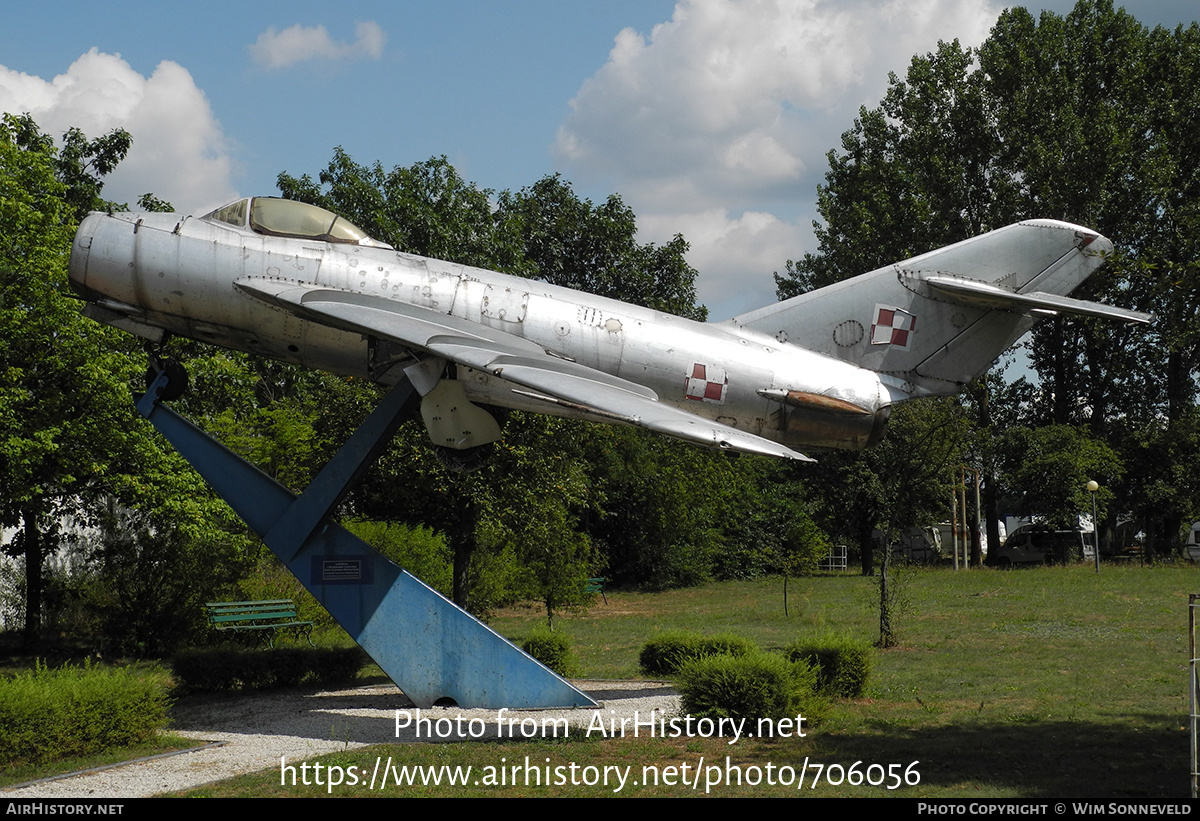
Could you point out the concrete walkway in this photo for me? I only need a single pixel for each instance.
(253, 732)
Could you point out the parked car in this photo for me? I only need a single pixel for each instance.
(1038, 544)
(917, 544)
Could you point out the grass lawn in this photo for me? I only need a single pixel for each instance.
(165, 743)
(1034, 683)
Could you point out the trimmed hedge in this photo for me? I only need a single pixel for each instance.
(46, 715)
(753, 686)
(843, 664)
(666, 654)
(553, 650)
(232, 668)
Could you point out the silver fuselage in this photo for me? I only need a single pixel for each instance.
(146, 272)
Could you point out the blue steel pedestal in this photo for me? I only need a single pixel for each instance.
(428, 646)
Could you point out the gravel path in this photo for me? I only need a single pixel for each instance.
(254, 731)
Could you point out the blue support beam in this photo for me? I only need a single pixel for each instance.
(432, 649)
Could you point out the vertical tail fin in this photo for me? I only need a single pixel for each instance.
(938, 320)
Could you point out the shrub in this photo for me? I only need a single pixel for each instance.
(231, 668)
(751, 686)
(665, 654)
(135, 584)
(553, 650)
(48, 714)
(419, 550)
(843, 664)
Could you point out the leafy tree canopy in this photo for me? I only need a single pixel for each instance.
(1087, 118)
(70, 442)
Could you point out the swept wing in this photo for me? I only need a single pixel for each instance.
(506, 356)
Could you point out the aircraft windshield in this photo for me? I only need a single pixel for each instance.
(233, 214)
(290, 218)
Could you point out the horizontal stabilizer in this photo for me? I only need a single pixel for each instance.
(986, 295)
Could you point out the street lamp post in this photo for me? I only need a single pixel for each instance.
(1092, 487)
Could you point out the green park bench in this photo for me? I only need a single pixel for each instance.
(261, 617)
(596, 585)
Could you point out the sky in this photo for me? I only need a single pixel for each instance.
(710, 118)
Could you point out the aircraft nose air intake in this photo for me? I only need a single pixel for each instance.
(80, 250)
(101, 259)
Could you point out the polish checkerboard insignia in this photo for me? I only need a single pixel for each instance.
(707, 383)
(892, 326)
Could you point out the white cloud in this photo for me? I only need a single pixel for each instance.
(295, 44)
(731, 105)
(755, 244)
(179, 151)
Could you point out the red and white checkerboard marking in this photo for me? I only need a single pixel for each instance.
(707, 383)
(892, 326)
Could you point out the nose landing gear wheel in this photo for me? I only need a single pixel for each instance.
(177, 378)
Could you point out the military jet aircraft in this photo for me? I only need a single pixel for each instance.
(292, 281)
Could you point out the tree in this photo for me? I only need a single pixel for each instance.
(56, 396)
(144, 580)
(1047, 469)
(915, 174)
(70, 442)
(80, 165)
(512, 525)
(799, 543)
(544, 506)
(1084, 118)
(903, 481)
(1115, 156)
(425, 208)
(593, 248)
(671, 513)
(915, 472)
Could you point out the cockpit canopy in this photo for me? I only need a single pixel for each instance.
(290, 218)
